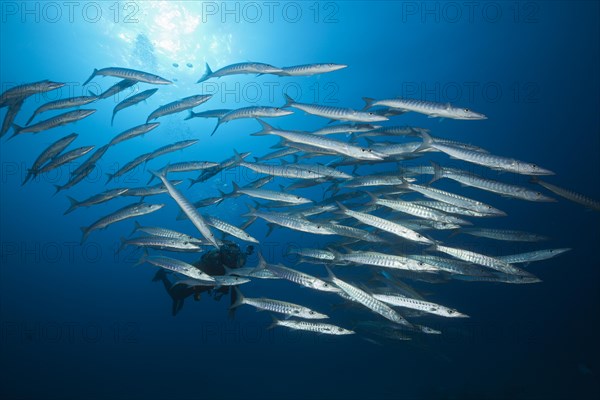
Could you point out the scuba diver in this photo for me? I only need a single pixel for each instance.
(213, 263)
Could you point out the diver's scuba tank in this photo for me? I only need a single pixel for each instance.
(228, 255)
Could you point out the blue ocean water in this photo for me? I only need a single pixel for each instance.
(80, 321)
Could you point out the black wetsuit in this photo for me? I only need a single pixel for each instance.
(213, 263)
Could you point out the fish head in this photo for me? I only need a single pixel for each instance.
(452, 313)
(150, 207)
(534, 169)
(335, 67)
(372, 116)
(325, 286)
(538, 196)
(370, 154)
(341, 331)
(55, 85)
(310, 314)
(464, 113)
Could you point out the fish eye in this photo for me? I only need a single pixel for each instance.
(450, 311)
(421, 263)
(311, 312)
(371, 113)
(538, 194)
(466, 110)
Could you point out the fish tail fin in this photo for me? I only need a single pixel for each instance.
(73, 205)
(239, 298)
(136, 227)
(330, 274)
(58, 189)
(342, 208)
(274, 322)
(207, 73)
(16, 130)
(30, 173)
(159, 174)
(216, 126)
(368, 102)
(438, 172)
(236, 188)
(112, 119)
(192, 182)
(404, 184)
(190, 115)
(271, 226)
(110, 177)
(372, 199)
(249, 222)
(266, 128)
(30, 119)
(262, 263)
(85, 232)
(288, 101)
(92, 93)
(427, 142)
(238, 157)
(251, 211)
(142, 259)
(122, 240)
(91, 77)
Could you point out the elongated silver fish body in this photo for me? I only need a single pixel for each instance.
(129, 211)
(178, 266)
(385, 261)
(310, 69)
(414, 304)
(240, 68)
(485, 159)
(54, 122)
(359, 153)
(501, 188)
(61, 104)
(229, 229)
(133, 132)
(49, 153)
(335, 113)
(66, 158)
(96, 199)
(162, 243)
(570, 195)
(278, 306)
(190, 211)
(362, 297)
(179, 105)
(131, 101)
(429, 108)
(386, 225)
(317, 327)
(481, 259)
(531, 256)
(130, 74)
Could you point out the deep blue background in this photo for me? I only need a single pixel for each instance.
(80, 321)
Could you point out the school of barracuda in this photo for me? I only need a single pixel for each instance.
(388, 223)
